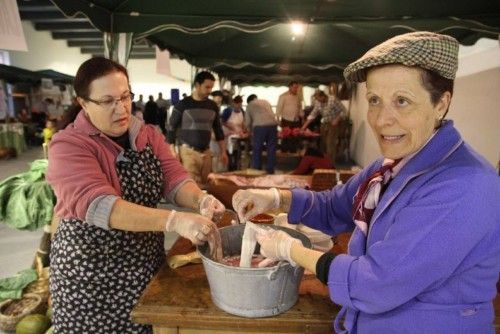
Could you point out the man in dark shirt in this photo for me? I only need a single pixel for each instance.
(191, 124)
(151, 112)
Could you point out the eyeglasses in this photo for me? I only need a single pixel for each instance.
(112, 102)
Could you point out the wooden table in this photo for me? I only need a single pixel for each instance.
(178, 301)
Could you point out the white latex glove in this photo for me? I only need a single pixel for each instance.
(251, 202)
(192, 226)
(211, 207)
(276, 245)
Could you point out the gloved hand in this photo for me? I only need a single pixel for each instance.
(275, 244)
(210, 207)
(250, 202)
(191, 226)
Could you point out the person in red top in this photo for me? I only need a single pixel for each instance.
(109, 170)
(313, 159)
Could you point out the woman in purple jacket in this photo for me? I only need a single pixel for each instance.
(424, 256)
(109, 171)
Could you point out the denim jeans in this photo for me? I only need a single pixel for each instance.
(267, 135)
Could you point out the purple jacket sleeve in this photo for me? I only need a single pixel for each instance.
(329, 211)
(439, 228)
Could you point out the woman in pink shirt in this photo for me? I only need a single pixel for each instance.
(109, 171)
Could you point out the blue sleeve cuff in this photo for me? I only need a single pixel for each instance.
(226, 114)
(338, 280)
(301, 203)
(99, 211)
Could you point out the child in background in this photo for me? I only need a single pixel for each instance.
(49, 130)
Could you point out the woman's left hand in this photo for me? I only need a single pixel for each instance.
(211, 206)
(191, 226)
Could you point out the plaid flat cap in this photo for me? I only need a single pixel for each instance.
(424, 49)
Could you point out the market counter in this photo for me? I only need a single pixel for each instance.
(178, 301)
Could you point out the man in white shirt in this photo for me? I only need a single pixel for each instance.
(289, 112)
(260, 118)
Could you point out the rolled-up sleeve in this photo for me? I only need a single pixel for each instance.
(76, 176)
(99, 211)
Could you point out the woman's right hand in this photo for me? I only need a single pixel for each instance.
(192, 226)
(250, 202)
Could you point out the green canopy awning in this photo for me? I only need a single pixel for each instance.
(13, 74)
(239, 39)
(57, 77)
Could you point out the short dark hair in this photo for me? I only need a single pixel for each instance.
(291, 83)
(217, 93)
(238, 99)
(92, 69)
(251, 97)
(320, 93)
(202, 76)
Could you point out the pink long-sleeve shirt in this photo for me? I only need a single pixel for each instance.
(82, 168)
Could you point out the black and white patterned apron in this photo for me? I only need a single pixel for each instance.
(98, 275)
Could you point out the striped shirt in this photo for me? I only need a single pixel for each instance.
(192, 123)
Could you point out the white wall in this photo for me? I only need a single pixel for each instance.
(474, 108)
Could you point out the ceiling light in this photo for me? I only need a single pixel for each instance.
(298, 28)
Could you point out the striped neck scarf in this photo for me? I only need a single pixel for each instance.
(369, 193)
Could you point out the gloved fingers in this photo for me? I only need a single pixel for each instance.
(218, 206)
(241, 206)
(205, 231)
(208, 213)
(237, 197)
(208, 205)
(263, 237)
(265, 263)
(198, 239)
(241, 200)
(218, 211)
